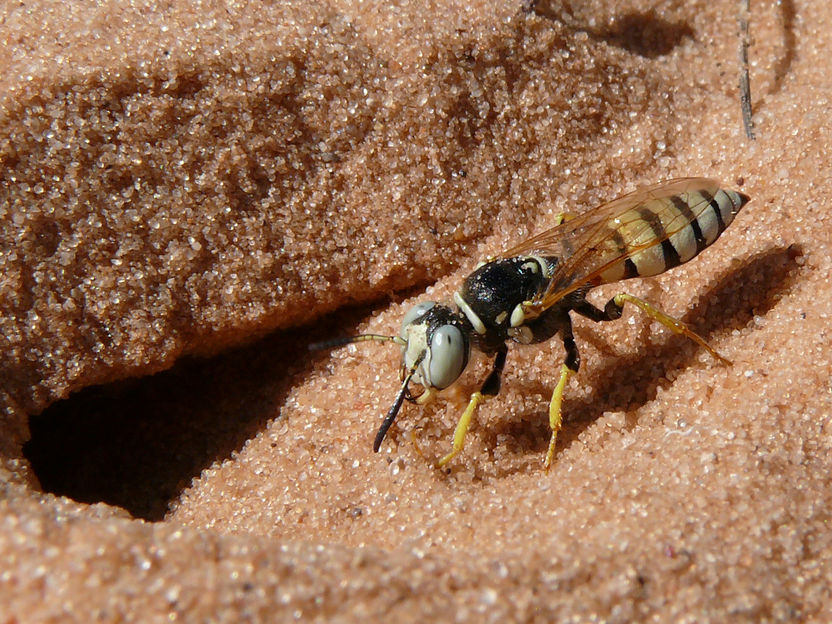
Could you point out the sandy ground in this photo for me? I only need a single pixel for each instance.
(201, 190)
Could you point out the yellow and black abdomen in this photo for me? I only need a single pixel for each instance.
(660, 233)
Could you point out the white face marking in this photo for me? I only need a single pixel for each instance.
(501, 317)
(415, 312)
(417, 345)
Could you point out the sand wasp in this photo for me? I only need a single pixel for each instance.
(525, 295)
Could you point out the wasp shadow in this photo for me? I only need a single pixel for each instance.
(138, 443)
(731, 303)
(784, 52)
(646, 33)
(783, 65)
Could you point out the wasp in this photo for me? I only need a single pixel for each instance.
(526, 294)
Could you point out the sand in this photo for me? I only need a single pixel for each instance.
(192, 193)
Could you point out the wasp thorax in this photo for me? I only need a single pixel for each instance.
(436, 346)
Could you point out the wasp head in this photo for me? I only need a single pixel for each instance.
(436, 345)
(435, 349)
(434, 353)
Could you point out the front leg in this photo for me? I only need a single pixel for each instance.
(491, 387)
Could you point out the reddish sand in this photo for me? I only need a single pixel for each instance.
(183, 179)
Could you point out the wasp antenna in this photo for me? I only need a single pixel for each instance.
(391, 414)
(340, 342)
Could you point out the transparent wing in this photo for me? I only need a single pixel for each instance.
(594, 243)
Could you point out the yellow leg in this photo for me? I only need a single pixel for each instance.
(673, 324)
(462, 428)
(555, 416)
(415, 442)
(425, 397)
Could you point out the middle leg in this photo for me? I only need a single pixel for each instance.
(568, 368)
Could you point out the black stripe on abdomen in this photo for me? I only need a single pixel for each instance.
(630, 269)
(717, 212)
(683, 207)
(669, 254)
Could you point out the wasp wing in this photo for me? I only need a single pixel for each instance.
(593, 248)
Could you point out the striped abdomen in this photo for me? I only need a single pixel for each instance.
(662, 232)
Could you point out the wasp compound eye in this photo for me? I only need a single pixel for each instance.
(416, 312)
(447, 356)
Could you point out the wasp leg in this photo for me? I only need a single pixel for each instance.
(422, 399)
(462, 428)
(615, 306)
(569, 367)
(425, 397)
(491, 387)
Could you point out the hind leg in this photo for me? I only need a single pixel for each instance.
(615, 307)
